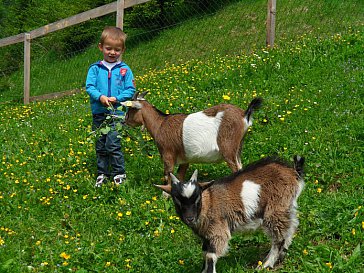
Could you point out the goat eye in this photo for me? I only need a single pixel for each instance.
(178, 203)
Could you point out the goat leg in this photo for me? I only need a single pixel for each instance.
(181, 172)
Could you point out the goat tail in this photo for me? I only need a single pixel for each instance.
(254, 105)
(298, 165)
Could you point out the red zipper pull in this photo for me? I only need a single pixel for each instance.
(109, 76)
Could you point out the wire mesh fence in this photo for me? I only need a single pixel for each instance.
(169, 31)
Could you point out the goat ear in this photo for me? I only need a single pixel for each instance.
(194, 176)
(205, 185)
(131, 104)
(165, 188)
(127, 103)
(174, 179)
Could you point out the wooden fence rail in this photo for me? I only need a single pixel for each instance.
(118, 6)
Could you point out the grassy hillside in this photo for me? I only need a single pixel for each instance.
(52, 219)
(237, 28)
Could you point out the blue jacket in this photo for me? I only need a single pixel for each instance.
(119, 83)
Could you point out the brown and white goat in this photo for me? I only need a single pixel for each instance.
(263, 194)
(213, 135)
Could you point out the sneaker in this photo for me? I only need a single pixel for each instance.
(119, 179)
(100, 180)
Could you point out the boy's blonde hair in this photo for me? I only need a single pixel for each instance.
(114, 33)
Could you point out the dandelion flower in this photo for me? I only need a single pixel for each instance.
(305, 252)
(65, 256)
(226, 97)
(319, 190)
(329, 265)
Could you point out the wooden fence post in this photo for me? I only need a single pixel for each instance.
(120, 13)
(271, 22)
(27, 40)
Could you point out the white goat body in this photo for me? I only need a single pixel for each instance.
(213, 135)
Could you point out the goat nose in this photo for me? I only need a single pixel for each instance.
(189, 219)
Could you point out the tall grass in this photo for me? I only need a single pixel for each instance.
(52, 219)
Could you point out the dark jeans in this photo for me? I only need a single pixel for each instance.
(110, 159)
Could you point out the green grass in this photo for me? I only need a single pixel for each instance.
(52, 219)
(237, 28)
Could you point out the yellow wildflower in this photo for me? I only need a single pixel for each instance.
(65, 256)
(226, 97)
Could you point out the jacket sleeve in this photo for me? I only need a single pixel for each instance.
(129, 87)
(91, 83)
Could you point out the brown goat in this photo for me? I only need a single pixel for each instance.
(213, 135)
(263, 194)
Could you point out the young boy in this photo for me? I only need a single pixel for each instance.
(108, 83)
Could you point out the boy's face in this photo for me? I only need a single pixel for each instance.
(112, 50)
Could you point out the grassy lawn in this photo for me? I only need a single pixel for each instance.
(237, 28)
(52, 219)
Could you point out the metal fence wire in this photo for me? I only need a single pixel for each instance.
(159, 32)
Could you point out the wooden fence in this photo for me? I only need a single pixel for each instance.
(118, 6)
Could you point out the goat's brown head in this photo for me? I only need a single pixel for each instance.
(134, 116)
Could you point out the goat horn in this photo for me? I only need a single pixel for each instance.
(143, 94)
(135, 96)
(194, 176)
(174, 179)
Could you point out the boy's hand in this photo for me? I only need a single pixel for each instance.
(112, 100)
(104, 101)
